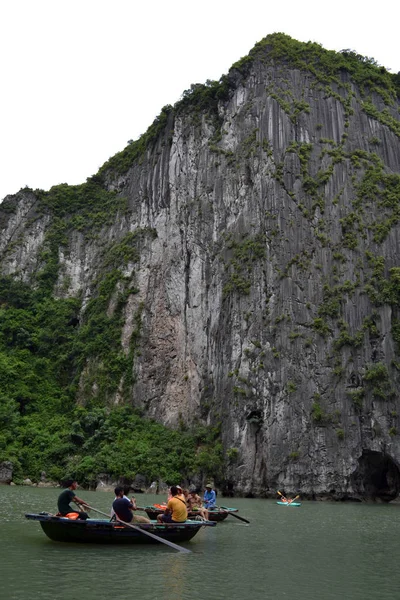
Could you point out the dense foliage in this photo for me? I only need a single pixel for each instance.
(42, 428)
(326, 65)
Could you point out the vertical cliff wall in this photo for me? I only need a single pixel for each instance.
(255, 230)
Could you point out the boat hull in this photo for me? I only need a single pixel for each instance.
(289, 503)
(213, 515)
(94, 531)
(217, 516)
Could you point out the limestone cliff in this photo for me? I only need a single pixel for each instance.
(255, 230)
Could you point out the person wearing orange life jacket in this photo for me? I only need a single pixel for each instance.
(67, 496)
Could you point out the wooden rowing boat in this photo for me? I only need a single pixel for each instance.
(216, 515)
(101, 531)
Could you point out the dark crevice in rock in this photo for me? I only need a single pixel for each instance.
(377, 476)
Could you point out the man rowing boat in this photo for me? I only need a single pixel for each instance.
(67, 496)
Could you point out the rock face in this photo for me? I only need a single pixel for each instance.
(266, 277)
(6, 472)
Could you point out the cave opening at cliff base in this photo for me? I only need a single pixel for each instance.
(377, 477)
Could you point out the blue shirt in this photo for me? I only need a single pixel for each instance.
(209, 498)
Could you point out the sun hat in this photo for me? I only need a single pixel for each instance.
(209, 485)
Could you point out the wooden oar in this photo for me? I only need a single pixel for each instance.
(232, 514)
(156, 537)
(293, 499)
(82, 507)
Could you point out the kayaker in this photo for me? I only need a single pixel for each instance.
(67, 496)
(176, 511)
(210, 497)
(286, 500)
(124, 508)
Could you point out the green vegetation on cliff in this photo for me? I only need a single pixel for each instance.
(62, 363)
(327, 66)
(43, 353)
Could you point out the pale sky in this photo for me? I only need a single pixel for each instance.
(79, 78)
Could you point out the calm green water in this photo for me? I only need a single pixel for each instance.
(319, 551)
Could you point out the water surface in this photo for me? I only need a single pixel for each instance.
(319, 551)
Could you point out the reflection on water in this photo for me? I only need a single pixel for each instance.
(173, 577)
(320, 551)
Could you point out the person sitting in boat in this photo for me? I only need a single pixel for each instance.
(210, 497)
(195, 505)
(123, 508)
(67, 496)
(176, 511)
(180, 492)
(126, 489)
(286, 500)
